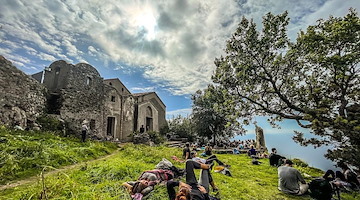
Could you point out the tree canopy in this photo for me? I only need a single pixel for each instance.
(314, 80)
(209, 119)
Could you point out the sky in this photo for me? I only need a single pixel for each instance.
(166, 46)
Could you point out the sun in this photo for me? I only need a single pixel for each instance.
(147, 21)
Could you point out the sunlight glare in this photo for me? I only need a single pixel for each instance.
(147, 21)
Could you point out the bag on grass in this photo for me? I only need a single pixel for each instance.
(164, 164)
(320, 189)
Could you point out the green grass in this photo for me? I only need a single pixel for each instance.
(102, 179)
(26, 153)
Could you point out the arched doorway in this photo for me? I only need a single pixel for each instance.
(149, 119)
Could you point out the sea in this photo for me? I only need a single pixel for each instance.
(286, 147)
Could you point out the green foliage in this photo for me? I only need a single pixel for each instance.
(26, 153)
(209, 118)
(49, 123)
(182, 126)
(314, 80)
(156, 137)
(102, 179)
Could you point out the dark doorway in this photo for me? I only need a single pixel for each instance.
(54, 104)
(149, 119)
(92, 124)
(110, 126)
(149, 124)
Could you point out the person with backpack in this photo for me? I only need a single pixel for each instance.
(290, 179)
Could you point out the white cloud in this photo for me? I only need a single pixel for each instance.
(174, 113)
(172, 41)
(142, 89)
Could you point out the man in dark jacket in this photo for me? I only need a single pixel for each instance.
(275, 159)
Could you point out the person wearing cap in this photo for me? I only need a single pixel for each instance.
(290, 179)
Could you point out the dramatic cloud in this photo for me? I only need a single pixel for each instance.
(173, 42)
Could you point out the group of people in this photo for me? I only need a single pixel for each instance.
(290, 180)
(191, 189)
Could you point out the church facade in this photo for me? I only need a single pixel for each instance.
(78, 94)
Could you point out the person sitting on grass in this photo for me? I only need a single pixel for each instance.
(207, 151)
(252, 151)
(345, 180)
(275, 159)
(290, 179)
(191, 190)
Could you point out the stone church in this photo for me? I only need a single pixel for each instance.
(78, 94)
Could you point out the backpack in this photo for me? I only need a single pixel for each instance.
(320, 189)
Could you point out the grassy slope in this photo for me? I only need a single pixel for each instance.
(103, 179)
(25, 153)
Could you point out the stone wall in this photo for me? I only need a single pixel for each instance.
(83, 98)
(22, 98)
(112, 109)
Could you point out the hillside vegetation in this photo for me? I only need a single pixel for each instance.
(102, 179)
(27, 153)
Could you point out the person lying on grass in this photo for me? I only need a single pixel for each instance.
(148, 179)
(191, 190)
(210, 160)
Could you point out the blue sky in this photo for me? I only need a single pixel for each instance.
(166, 46)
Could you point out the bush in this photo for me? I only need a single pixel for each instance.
(156, 137)
(49, 123)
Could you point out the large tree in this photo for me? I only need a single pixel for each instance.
(209, 119)
(314, 80)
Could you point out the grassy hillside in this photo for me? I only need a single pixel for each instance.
(26, 153)
(102, 179)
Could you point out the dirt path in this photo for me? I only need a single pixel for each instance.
(36, 178)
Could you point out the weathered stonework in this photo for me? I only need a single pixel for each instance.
(260, 139)
(79, 94)
(22, 98)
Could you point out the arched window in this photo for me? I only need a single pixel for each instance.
(88, 81)
(148, 112)
(57, 70)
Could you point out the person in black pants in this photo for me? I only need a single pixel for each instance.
(191, 190)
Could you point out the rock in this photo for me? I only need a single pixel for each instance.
(22, 98)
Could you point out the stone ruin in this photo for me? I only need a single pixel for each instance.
(22, 98)
(260, 139)
(77, 94)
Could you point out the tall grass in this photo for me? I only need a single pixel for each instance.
(26, 153)
(102, 179)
